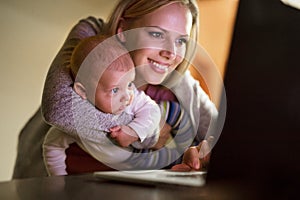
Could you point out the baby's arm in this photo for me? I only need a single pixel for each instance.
(145, 114)
(170, 153)
(146, 120)
(127, 158)
(54, 146)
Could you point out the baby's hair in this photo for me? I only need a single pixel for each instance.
(96, 54)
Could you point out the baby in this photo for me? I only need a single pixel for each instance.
(103, 74)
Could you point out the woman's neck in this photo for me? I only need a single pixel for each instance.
(143, 87)
(140, 83)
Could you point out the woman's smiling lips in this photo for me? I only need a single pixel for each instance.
(159, 67)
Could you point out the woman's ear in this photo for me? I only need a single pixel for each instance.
(120, 30)
(80, 90)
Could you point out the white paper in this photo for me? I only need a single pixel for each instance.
(292, 3)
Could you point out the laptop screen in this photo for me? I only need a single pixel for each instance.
(260, 140)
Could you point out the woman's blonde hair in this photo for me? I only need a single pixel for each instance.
(134, 9)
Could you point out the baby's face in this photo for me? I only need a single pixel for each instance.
(115, 91)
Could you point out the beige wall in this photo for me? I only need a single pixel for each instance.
(31, 34)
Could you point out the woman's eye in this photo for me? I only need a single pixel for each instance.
(156, 34)
(114, 90)
(181, 41)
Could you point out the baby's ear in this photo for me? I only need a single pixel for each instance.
(80, 90)
(120, 30)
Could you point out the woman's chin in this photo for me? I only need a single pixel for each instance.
(155, 79)
(155, 82)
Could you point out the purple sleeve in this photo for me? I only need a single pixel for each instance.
(59, 100)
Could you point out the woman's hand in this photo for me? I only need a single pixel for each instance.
(164, 136)
(195, 158)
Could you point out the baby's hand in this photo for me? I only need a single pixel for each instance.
(124, 135)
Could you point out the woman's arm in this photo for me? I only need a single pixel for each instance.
(203, 115)
(59, 102)
(196, 102)
(119, 158)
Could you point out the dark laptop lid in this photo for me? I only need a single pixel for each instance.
(260, 140)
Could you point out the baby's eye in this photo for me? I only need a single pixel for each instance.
(114, 90)
(156, 34)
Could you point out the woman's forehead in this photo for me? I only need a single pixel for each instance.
(173, 17)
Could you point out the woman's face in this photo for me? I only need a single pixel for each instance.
(157, 41)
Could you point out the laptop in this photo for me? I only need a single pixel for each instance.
(260, 141)
(154, 177)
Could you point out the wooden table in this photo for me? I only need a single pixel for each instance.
(89, 187)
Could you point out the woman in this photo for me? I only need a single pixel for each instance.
(171, 27)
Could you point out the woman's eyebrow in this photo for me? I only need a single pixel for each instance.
(167, 31)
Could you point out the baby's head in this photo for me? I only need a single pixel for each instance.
(103, 73)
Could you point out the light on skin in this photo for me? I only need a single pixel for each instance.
(158, 45)
(115, 91)
(112, 93)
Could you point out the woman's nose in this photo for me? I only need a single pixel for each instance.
(169, 51)
(168, 54)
